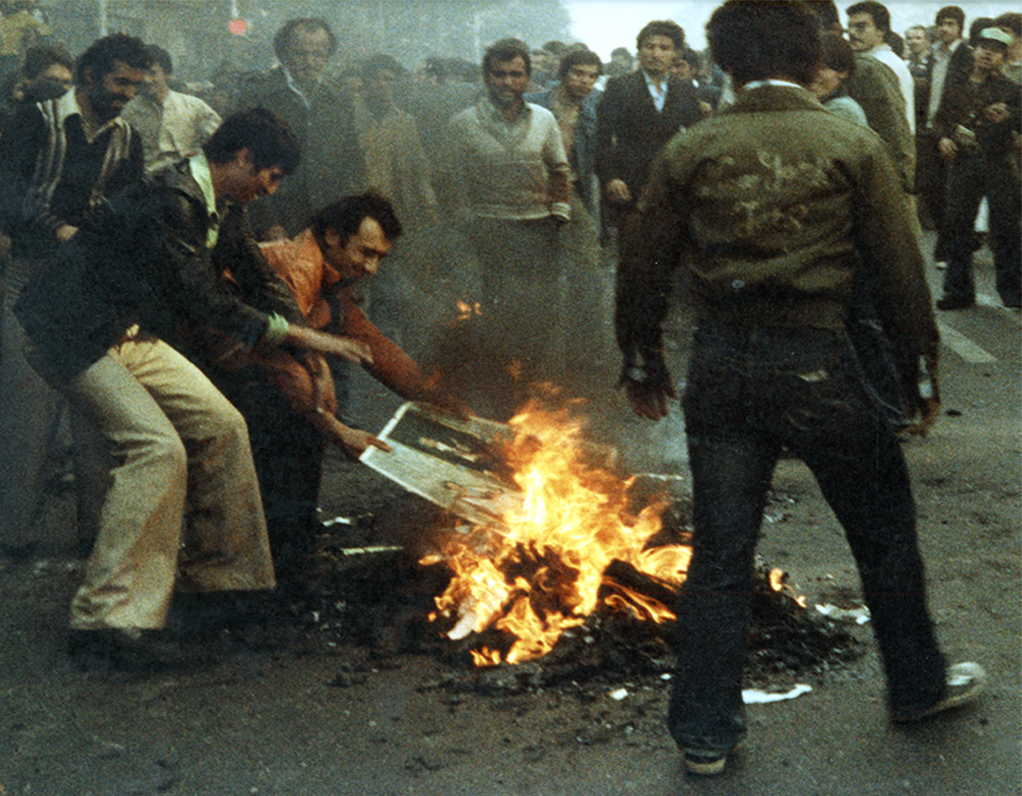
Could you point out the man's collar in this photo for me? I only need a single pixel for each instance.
(651, 81)
(496, 112)
(293, 85)
(199, 168)
(67, 106)
(753, 84)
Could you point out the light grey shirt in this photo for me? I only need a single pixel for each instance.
(511, 170)
(174, 130)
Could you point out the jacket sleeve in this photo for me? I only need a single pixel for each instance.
(261, 286)
(882, 227)
(191, 285)
(654, 240)
(608, 121)
(22, 141)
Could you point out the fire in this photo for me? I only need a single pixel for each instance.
(466, 310)
(539, 572)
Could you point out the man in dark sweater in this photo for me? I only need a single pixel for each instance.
(58, 159)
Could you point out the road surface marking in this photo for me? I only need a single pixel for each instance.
(963, 346)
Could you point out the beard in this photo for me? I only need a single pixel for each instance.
(104, 104)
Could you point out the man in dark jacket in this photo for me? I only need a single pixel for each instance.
(638, 114)
(147, 261)
(976, 127)
(768, 222)
(323, 118)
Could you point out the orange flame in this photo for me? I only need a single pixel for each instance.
(467, 310)
(539, 572)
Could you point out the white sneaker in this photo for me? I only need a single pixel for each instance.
(965, 682)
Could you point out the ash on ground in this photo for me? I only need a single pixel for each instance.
(368, 590)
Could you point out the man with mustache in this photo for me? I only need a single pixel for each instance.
(58, 159)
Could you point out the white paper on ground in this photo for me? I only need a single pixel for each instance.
(750, 696)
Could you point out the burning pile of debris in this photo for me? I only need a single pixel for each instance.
(532, 561)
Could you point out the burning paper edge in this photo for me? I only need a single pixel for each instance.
(443, 483)
(751, 696)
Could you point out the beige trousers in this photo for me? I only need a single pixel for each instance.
(181, 450)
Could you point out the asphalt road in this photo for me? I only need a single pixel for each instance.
(280, 721)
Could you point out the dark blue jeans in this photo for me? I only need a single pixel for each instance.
(751, 392)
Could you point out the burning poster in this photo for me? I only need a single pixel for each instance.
(549, 524)
(451, 462)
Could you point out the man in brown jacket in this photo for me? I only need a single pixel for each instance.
(766, 205)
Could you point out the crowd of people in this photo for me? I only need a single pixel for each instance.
(187, 277)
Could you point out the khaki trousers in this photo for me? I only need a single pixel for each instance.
(181, 450)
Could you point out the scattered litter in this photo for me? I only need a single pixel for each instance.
(619, 694)
(750, 696)
(337, 521)
(858, 615)
(365, 551)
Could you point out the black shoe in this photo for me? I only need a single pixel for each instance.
(125, 650)
(965, 682)
(948, 303)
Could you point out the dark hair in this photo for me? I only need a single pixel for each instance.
(877, 11)
(690, 57)
(41, 57)
(507, 50)
(380, 62)
(953, 13)
(825, 11)
(99, 59)
(346, 215)
(978, 26)
(578, 58)
(895, 42)
(1011, 22)
(555, 47)
(662, 27)
(264, 133)
(836, 52)
(282, 41)
(160, 58)
(757, 39)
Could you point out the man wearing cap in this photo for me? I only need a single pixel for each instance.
(975, 123)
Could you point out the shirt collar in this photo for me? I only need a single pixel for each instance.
(291, 84)
(655, 85)
(199, 168)
(67, 106)
(769, 82)
(495, 113)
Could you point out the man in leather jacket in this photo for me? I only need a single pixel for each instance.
(149, 260)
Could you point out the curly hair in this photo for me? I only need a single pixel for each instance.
(99, 59)
(758, 39)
